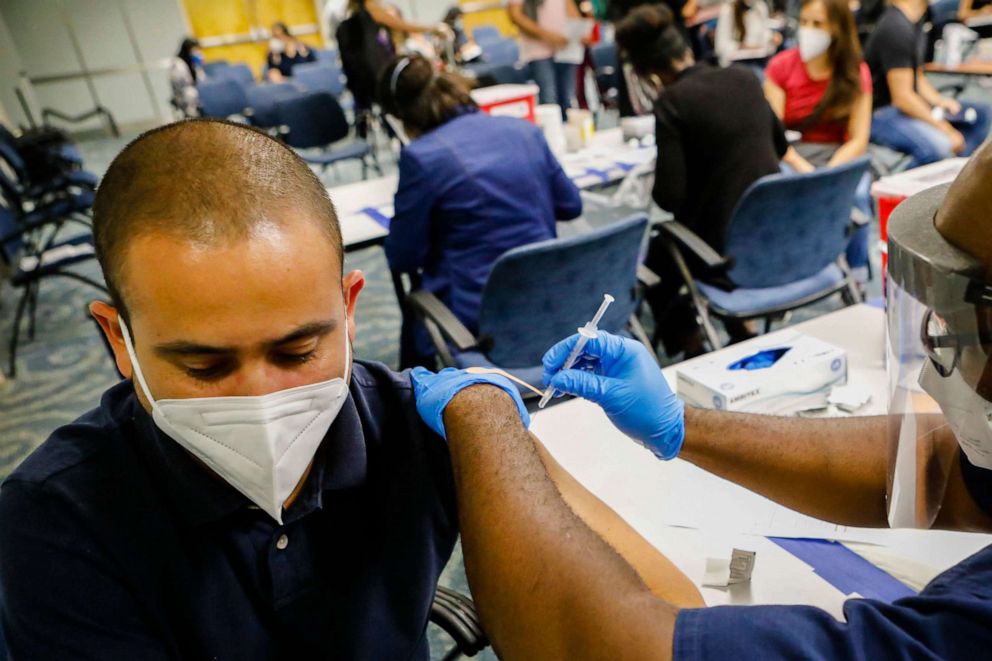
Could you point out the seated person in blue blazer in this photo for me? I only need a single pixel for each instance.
(251, 491)
(472, 186)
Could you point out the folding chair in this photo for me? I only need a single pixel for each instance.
(29, 259)
(312, 120)
(262, 100)
(222, 97)
(538, 294)
(784, 248)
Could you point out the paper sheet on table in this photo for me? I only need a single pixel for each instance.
(697, 499)
(575, 30)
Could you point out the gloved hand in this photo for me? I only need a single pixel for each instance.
(434, 391)
(627, 383)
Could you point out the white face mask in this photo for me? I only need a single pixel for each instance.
(260, 445)
(813, 42)
(968, 413)
(276, 45)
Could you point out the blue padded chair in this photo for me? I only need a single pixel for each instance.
(215, 67)
(486, 34)
(29, 257)
(540, 293)
(504, 51)
(326, 56)
(499, 74)
(240, 73)
(68, 192)
(312, 120)
(221, 97)
(784, 248)
(320, 76)
(606, 67)
(262, 99)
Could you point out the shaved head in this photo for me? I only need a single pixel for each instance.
(207, 182)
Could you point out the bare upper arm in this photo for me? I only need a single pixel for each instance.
(660, 575)
(516, 12)
(776, 97)
(859, 124)
(900, 82)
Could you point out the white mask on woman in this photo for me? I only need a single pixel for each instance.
(276, 45)
(813, 42)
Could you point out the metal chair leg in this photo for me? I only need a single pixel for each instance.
(32, 308)
(698, 302)
(637, 330)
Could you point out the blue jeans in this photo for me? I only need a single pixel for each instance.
(923, 142)
(556, 81)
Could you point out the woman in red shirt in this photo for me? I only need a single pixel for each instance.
(822, 88)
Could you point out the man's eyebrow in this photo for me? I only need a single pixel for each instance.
(306, 330)
(184, 348)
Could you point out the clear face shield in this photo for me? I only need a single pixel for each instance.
(938, 349)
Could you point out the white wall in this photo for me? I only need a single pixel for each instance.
(43, 46)
(10, 67)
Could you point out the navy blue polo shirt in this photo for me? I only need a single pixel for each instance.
(116, 544)
(950, 619)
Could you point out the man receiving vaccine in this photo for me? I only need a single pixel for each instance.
(252, 492)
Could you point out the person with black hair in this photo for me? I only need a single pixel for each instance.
(472, 186)
(285, 52)
(185, 71)
(366, 47)
(716, 136)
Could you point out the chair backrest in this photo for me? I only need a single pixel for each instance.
(11, 249)
(320, 76)
(240, 73)
(540, 293)
(262, 100)
(486, 34)
(325, 55)
(606, 64)
(314, 119)
(8, 153)
(787, 227)
(215, 67)
(221, 98)
(504, 51)
(501, 74)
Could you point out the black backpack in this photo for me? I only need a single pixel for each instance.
(363, 57)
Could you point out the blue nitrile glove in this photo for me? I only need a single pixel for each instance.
(434, 391)
(626, 382)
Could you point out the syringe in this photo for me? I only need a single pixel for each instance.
(586, 333)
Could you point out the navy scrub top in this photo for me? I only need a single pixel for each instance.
(116, 544)
(950, 619)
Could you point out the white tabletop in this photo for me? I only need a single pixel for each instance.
(911, 182)
(605, 160)
(641, 489)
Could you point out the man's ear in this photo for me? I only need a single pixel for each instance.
(352, 284)
(107, 316)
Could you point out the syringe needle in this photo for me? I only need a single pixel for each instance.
(586, 332)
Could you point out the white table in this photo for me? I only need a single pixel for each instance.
(364, 207)
(638, 486)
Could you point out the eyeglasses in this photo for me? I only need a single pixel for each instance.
(942, 346)
(939, 343)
